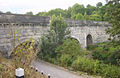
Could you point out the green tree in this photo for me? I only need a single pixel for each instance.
(29, 13)
(70, 46)
(106, 17)
(42, 14)
(76, 8)
(47, 46)
(58, 32)
(90, 9)
(69, 51)
(95, 17)
(60, 27)
(79, 16)
(99, 4)
(102, 12)
(8, 12)
(86, 17)
(114, 13)
(57, 12)
(68, 15)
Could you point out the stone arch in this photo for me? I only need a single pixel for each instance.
(74, 39)
(89, 40)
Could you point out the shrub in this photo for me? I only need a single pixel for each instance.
(110, 71)
(96, 67)
(71, 47)
(66, 60)
(19, 59)
(83, 64)
(7, 70)
(108, 52)
(1, 67)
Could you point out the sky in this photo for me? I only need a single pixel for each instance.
(23, 6)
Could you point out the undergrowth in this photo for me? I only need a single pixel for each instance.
(22, 57)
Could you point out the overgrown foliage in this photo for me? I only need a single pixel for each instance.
(59, 29)
(114, 12)
(22, 57)
(105, 59)
(58, 32)
(69, 51)
(96, 67)
(71, 55)
(108, 52)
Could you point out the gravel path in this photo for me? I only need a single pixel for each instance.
(55, 71)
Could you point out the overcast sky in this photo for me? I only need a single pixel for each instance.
(23, 6)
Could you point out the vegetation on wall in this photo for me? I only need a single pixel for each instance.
(58, 32)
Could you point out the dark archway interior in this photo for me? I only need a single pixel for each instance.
(89, 40)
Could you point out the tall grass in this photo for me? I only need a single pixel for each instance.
(22, 57)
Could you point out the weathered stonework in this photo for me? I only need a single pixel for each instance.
(33, 27)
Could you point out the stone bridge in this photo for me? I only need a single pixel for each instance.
(33, 27)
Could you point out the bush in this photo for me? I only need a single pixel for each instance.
(83, 64)
(108, 52)
(69, 51)
(18, 59)
(95, 67)
(47, 47)
(71, 47)
(66, 60)
(110, 71)
(1, 67)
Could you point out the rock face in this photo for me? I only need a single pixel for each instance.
(32, 27)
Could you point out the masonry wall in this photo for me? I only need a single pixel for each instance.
(98, 34)
(23, 32)
(33, 27)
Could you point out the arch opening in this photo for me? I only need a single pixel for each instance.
(89, 40)
(74, 39)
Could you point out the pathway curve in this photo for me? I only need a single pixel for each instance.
(55, 71)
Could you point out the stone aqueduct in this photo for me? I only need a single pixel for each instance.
(86, 32)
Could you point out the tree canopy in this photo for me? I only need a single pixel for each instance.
(8, 12)
(113, 11)
(99, 4)
(29, 13)
(80, 12)
(57, 34)
(59, 27)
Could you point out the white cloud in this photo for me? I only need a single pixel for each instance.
(23, 6)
